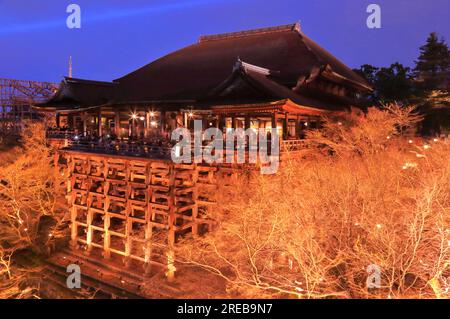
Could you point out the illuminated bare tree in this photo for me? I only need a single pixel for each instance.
(16, 99)
(31, 210)
(365, 133)
(312, 230)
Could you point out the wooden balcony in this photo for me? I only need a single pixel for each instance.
(159, 148)
(126, 148)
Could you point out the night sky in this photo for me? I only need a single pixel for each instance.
(119, 36)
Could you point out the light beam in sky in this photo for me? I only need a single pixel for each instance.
(103, 16)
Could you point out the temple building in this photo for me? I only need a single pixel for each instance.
(263, 78)
(129, 204)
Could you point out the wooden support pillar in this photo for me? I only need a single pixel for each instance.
(147, 124)
(218, 121)
(149, 224)
(233, 121)
(163, 122)
(185, 119)
(84, 117)
(171, 220)
(274, 127)
(221, 122)
(73, 214)
(73, 226)
(117, 123)
(90, 213)
(128, 229)
(73, 210)
(247, 122)
(106, 216)
(274, 120)
(285, 126)
(99, 123)
(132, 125)
(148, 240)
(298, 127)
(107, 236)
(58, 120)
(195, 193)
(90, 231)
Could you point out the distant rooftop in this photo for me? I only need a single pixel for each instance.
(221, 36)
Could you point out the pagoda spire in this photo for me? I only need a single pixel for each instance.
(70, 66)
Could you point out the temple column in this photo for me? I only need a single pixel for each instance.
(84, 117)
(163, 122)
(99, 123)
(117, 123)
(247, 122)
(221, 122)
(274, 120)
(285, 126)
(274, 127)
(298, 127)
(219, 117)
(185, 119)
(132, 126)
(147, 124)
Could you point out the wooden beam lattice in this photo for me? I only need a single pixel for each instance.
(134, 210)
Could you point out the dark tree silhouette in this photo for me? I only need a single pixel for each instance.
(402, 84)
(432, 69)
(391, 84)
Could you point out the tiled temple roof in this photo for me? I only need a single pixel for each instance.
(192, 73)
